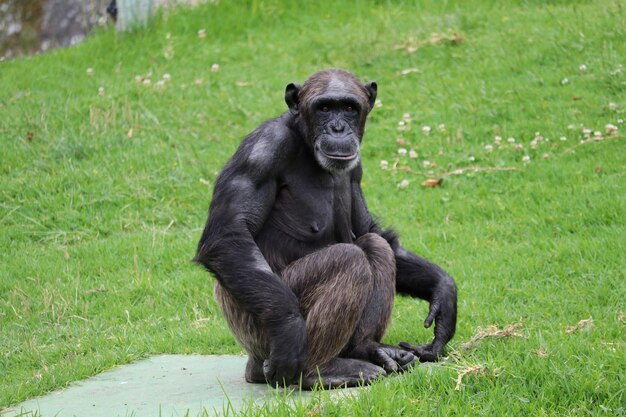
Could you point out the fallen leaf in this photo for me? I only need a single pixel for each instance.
(432, 182)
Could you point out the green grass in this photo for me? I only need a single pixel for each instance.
(98, 225)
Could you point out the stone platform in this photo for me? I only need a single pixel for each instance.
(164, 385)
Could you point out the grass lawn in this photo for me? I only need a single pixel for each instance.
(109, 151)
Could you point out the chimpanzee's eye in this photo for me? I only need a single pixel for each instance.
(349, 109)
(325, 109)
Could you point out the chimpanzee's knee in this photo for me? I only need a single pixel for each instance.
(379, 254)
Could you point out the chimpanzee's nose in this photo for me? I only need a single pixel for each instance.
(338, 127)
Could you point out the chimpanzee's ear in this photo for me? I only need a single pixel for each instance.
(291, 97)
(372, 90)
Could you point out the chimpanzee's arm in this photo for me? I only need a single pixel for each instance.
(416, 277)
(420, 278)
(242, 199)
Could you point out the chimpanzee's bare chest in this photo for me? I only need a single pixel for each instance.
(313, 209)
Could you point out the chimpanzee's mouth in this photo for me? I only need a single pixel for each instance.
(341, 157)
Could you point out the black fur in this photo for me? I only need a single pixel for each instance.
(291, 190)
(112, 10)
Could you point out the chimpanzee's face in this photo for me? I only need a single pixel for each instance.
(336, 128)
(332, 107)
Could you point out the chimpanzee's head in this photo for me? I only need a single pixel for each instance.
(331, 108)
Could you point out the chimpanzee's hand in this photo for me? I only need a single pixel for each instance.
(288, 353)
(443, 312)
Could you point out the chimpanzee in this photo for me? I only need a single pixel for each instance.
(305, 277)
(112, 10)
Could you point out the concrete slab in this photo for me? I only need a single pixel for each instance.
(165, 385)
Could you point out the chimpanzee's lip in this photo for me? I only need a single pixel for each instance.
(341, 157)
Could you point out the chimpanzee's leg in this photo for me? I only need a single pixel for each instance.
(346, 295)
(333, 286)
(365, 342)
(247, 331)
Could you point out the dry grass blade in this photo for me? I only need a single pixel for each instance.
(461, 171)
(584, 324)
(476, 369)
(101, 288)
(588, 141)
(199, 323)
(458, 171)
(408, 71)
(493, 331)
(315, 411)
(412, 44)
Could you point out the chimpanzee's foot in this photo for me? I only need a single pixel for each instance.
(393, 359)
(390, 358)
(254, 371)
(342, 372)
(426, 353)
